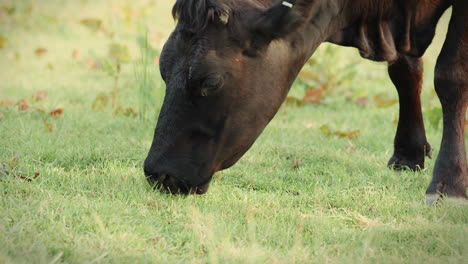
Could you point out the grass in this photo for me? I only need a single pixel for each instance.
(297, 196)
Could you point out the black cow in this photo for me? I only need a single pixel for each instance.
(229, 64)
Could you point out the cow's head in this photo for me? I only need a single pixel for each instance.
(227, 66)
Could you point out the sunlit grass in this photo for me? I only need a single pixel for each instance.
(298, 196)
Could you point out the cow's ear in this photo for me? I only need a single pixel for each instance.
(274, 23)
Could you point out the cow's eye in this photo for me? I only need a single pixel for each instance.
(211, 84)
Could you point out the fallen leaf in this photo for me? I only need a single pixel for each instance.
(57, 112)
(76, 54)
(3, 42)
(101, 101)
(351, 134)
(23, 105)
(119, 52)
(7, 103)
(365, 221)
(293, 192)
(49, 126)
(39, 110)
(158, 239)
(13, 163)
(296, 163)
(28, 178)
(362, 101)
(94, 64)
(40, 51)
(125, 111)
(93, 24)
(290, 100)
(10, 10)
(313, 96)
(327, 131)
(382, 102)
(307, 75)
(40, 95)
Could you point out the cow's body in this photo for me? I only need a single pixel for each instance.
(278, 37)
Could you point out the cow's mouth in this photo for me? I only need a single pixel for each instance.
(167, 183)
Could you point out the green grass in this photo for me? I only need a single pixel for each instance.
(91, 203)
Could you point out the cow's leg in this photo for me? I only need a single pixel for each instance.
(451, 82)
(410, 145)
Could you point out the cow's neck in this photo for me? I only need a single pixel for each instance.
(381, 30)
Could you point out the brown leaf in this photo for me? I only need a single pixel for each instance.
(365, 221)
(10, 10)
(130, 112)
(382, 102)
(93, 24)
(40, 51)
(3, 42)
(40, 95)
(29, 178)
(307, 75)
(13, 163)
(362, 101)
(326, 130)
(119, 52)
(49, 126)
(39, 110)
(351, 134)
(157, 240)
(293, 192)
(76, 55)
(313, 96)
(296, 163)
(7, 103)
(23, 105)
(101, 101)
(57, 112)
(290, 100)
(94, 64)
(156, 60)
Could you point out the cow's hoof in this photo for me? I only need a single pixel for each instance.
(434, 199)
(410, 158)
(438, 192)
(400, 163)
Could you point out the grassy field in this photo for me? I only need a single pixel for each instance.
(72, 188)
